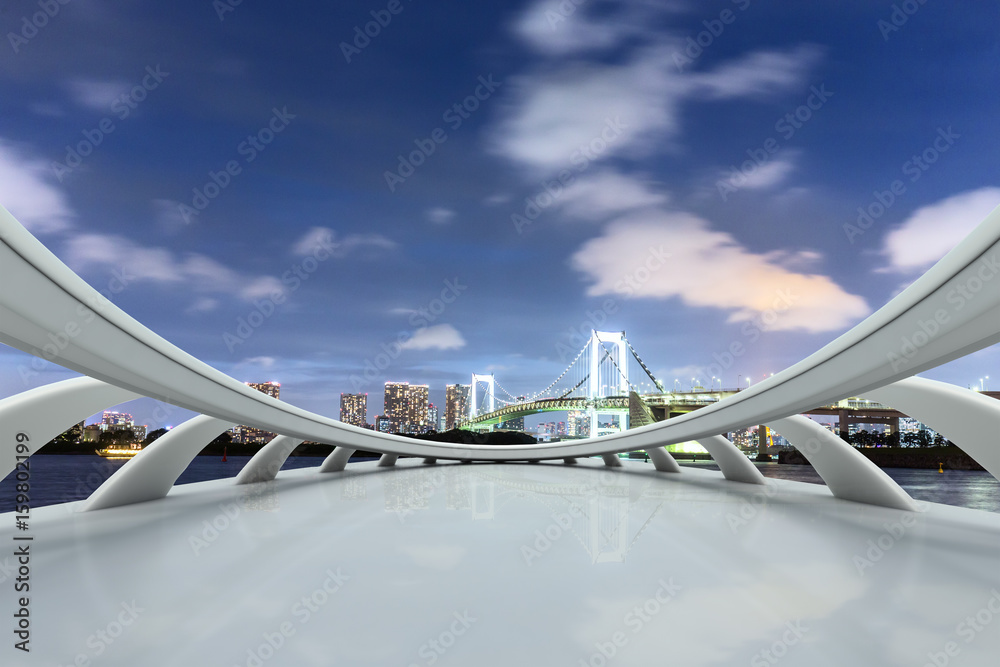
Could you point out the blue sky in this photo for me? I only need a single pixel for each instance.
(693, 164)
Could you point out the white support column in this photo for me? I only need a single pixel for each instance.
(662, 460)
(735, 466)
(337, 460)
(848, 474)
(42, 413)
(612, 460)
(266, 463)
(967, 418)
(152, 472)
(387, 460)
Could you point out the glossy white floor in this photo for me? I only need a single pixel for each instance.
(510, 564)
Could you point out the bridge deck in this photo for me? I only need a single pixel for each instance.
(505, 564)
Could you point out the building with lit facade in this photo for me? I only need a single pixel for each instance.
(456, 404)
(354, 409)
(249, 435)
(433, 419)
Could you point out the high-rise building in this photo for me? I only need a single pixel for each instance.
(418, 403)
(578, 424)
(249, 435)
(396, 405)
(354, 409)
(383, 424)
(116, 421)
(433, 419)
(456, 404)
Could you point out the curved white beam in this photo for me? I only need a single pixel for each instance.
(337, 460)
(42, 413)
(662, 460)
(612, 460)
(848, 474)
(735, 466)
(891, 344)
(967, 418)
(266, 463)
(152, 472)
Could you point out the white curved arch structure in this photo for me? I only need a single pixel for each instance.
(847, 473)
(43, 413)
(735, 466)
(337, 460)
(266, 463)
(967, 418)
(919, 329)
(662, 460)
(151, 473)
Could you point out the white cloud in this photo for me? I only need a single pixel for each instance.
(27, 191)
(440, 216)
(706, 268)
(606, 193)
(195, 272)
(96, 94)
(261, 362)
(766, 175)
(497, 199)
(757, 73)
(203, 305)
(437, 337)
(325, 238)
(168, 215)
(565, 27)
(317, 237)
(553, 114)
(933, 230)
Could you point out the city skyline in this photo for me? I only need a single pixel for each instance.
(764, 181)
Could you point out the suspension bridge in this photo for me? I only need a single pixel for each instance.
(596, 382)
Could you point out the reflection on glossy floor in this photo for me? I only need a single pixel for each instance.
(506, 564)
